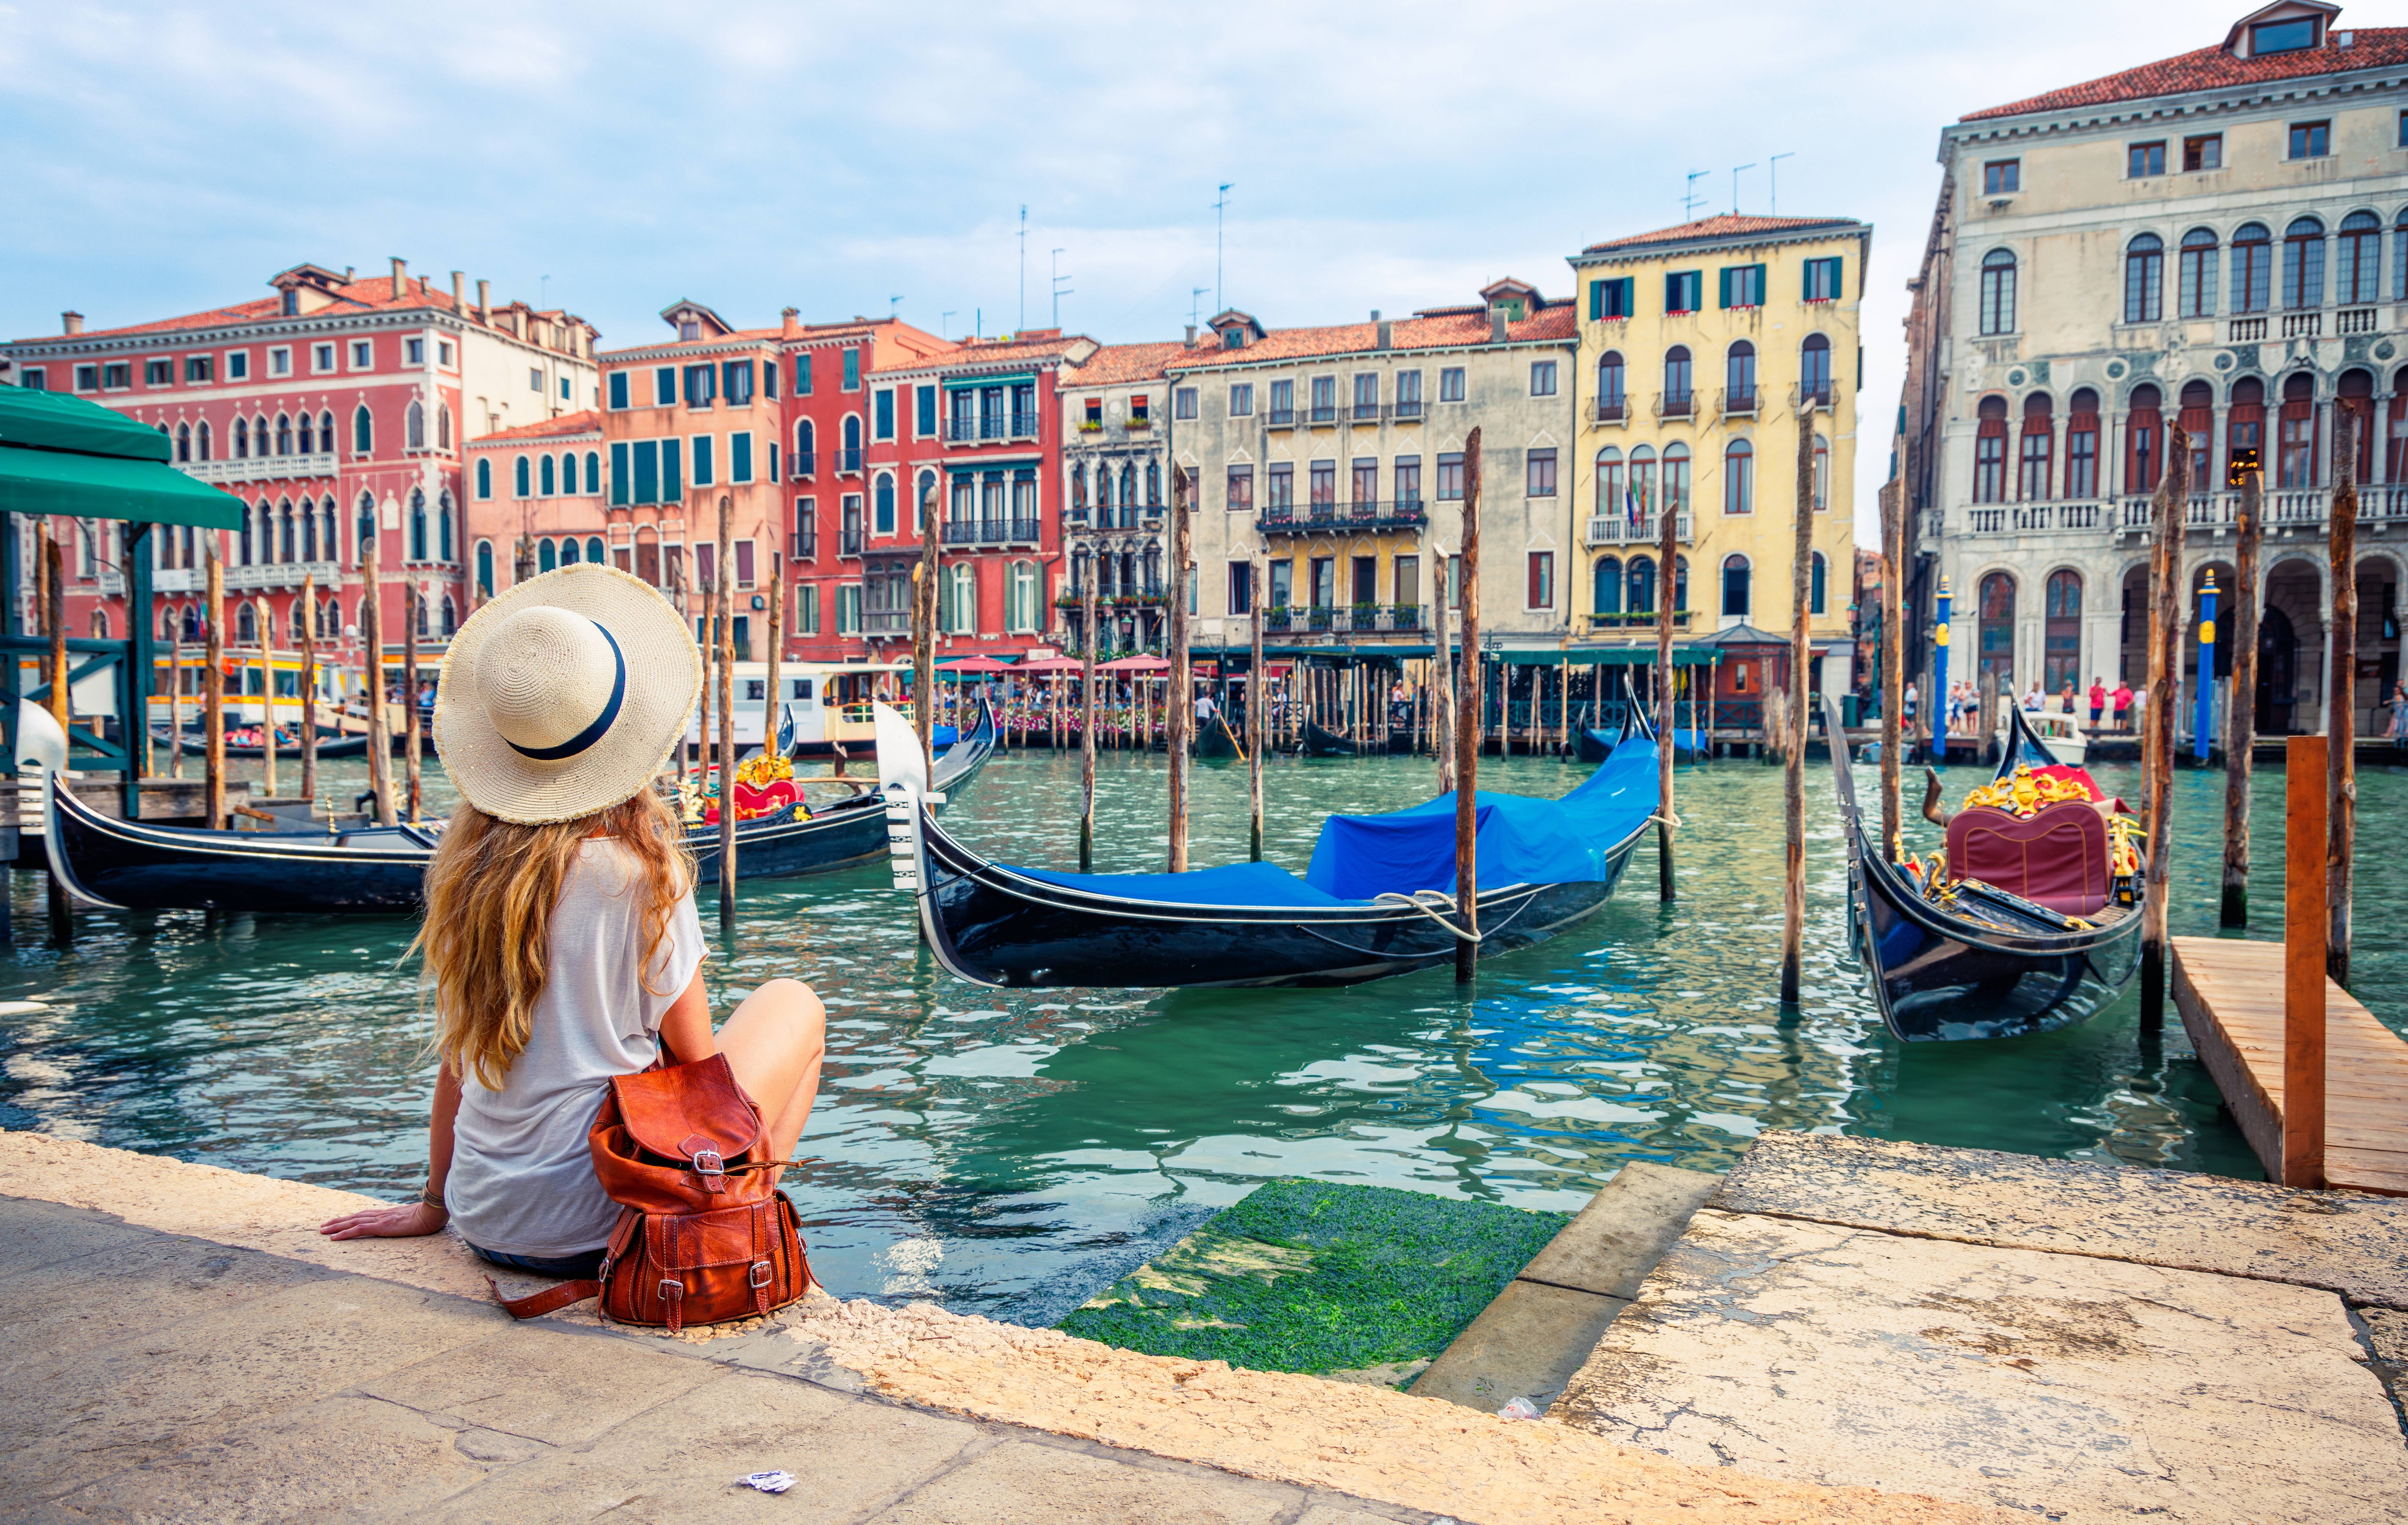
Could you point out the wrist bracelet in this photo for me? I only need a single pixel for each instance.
(431, 1195)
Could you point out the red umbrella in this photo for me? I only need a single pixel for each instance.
(976, 667)
(1051, 664)
(1136, 664)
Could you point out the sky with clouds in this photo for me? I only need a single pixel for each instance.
(614, 158)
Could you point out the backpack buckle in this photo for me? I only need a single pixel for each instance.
(711, 1167)
(760, 1273)
(671, 1289)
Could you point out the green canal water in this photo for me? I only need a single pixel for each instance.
(1011, 1153)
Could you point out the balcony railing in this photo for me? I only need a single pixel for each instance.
(1365, 413)
(1322, 415)
(1821, 394)
(2079, 515)
(847, 461)
(2304, 324)
(1408, 412)
(1643, 619)
(1279, 418)
(284, 574)
(1018, 424)
(1351, 619)
(2245, 331)
(850, 542)
(1616, 411)
(807, 463)
(1621, 529)
(887, 622)
(992, 532)
(2355, 320)
(261, 467)
(1675, 404)
(1329, 518)
(804, 545)
(2295, 507)
(1986, 521)
(1737, 400)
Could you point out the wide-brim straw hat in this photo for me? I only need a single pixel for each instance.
(564, 695)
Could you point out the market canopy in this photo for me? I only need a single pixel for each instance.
(974, 667)
(1051, 664)
(1689, 655)
(62, 455)
(1135, 663)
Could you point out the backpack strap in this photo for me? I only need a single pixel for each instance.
(550, 1300)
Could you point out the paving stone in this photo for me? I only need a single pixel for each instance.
(124, 1288)
(1020, 1484)
(1322, 1514)
(1624, 1230)
(677, 1464)
(326, 1459)
(560, 1389)
(2065, 1386)
(43, 1233)
(1526, 1344)
(136, 1399)
(2344, 1242)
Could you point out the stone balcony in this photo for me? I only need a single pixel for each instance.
(262, 467)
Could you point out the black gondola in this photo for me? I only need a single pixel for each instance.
(328, 746)
(1256, 924)
(1977, 960)
(1215, 740)
(139, 866)
(1595, 745)
(1326, 743)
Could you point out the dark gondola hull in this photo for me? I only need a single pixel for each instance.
(328, 746)
(1213, 740)
(1595, 745)
(1323, 743)
(1999, 967)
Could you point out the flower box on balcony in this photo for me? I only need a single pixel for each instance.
(1137, 422)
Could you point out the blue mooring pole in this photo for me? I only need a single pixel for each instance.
(1937, 700)
(2203, 723)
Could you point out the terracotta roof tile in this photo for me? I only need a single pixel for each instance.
(1721, 225)
(2212, 68)
(373, 295)
(1117, 363)
(1447, 331)
(1034, 352)
(586, 422)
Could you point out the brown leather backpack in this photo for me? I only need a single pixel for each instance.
(702, 1235)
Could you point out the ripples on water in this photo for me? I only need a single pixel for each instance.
(1008, 1153)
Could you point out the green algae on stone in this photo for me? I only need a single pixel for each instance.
(1312, 1276)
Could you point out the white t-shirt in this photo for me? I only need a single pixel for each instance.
(521, 1177)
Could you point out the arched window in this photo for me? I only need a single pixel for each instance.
(308, 531)
(1153, 484)
(243, 551)
(484, 475)
(284, 538)
(451, 618)
(413, 425)
(332, 541)
(2296, 449)
(547, 555)
(241, 439)
(1738, 377)
(2039, 445)
(309, 432)
(851, 461)
(568, 472)
(246, 623)
(1998, 292)
(1612, 504)
(364, 527)
(484, 569)
(1990, 451)
(1103, 497)
(192, 621)
(1822, 473)
(183, 442)
(443, 526)
(882, 504)
(1128, 498)
(546, 476)
(594, 471)
(443, 439)
(1643, 479)
(923, 500)
(595, 550)
(1738, 477)
(2060, 646)
(1020, 612)
(283, 435)
(201, 439)
(326, 431)
(1995, 639)
(522, 478)
(2197, 295)
(2082, 445)
(1818, 582)
(2304, 265)
(1605, 590)
(2144, 430)
(100, 625)
(2145, 278)
(2244, 422)
(2357, 275)
(568, 551)
(362, 431)
(1676, 378)
(807, 461)
(1735, 586)
(2353, 393)
(419, 601)
(961, 612)
(1640, 585)
(1676, 477)
(2400, 257)
(2198, 419)
(417, 525)
(1814, 369)
(1609, 387)
(298, 627)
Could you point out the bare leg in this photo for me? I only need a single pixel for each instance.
(773, 1044)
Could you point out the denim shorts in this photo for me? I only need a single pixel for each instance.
(585, 1264)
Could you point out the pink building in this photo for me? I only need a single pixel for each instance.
(336, 409)
(534, 501)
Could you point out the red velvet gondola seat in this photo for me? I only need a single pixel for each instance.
(2057, 857)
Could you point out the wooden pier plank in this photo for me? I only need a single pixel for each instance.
(2229, 991)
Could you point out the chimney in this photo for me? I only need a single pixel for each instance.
(71, 323)
(1191, 335)
(1496, 325)
(484, 302)
(790, 324)
(400, 277)
(1387, 330)
(459, 293)
(1375, 314)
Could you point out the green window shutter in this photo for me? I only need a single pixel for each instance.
(740, 457)
(664, 387)
(702, 473)
(618, 476)
(519, 476)
(1596, 300)
(619, 389)
(647, 471)
(672, 471)
(802, 376)
(852, 371)
(1724, 281)
(927, 411)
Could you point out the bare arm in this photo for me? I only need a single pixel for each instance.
(685, 1026)
(410, 1220)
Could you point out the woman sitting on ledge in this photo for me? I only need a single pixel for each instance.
(561, 937)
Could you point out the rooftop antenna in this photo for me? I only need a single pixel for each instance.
(1024, 267)
(1772, 174)
(894, 308)
(1690, 203)
(943, 318)
(543, 293)
(1735, 169)
(1060, 291)
(1196, 301)
(1220, 222)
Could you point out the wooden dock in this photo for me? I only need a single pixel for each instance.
(2230, 995)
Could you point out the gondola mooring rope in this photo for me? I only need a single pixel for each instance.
(1431, 907)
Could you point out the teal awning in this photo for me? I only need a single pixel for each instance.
(62, 455)
(1612, 656)
(958, 383)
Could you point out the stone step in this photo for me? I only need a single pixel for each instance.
(1530, 1341)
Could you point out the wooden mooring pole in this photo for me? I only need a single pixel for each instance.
(723, 639)
(61, 708)
(1468, 727)
(266, 694)
(2158, 747)
(1668, 733)
(372, 639)
(1087, 723)
(1892, 663)
(1180, 684)
(308, 685)
(1257, 701)
(1443, 717)
(769, 747)
(2241, 717)
(2305, 955)
(2341, 702)
(1793, 740)
(923, 633)
(412, 606)
(212, 682)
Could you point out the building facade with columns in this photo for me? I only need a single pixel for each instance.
(336, 411)
(2216, 241)
(1115, 422)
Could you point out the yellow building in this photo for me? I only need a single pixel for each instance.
(1695, 344)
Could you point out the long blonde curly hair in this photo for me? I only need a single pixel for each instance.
(490, 895)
